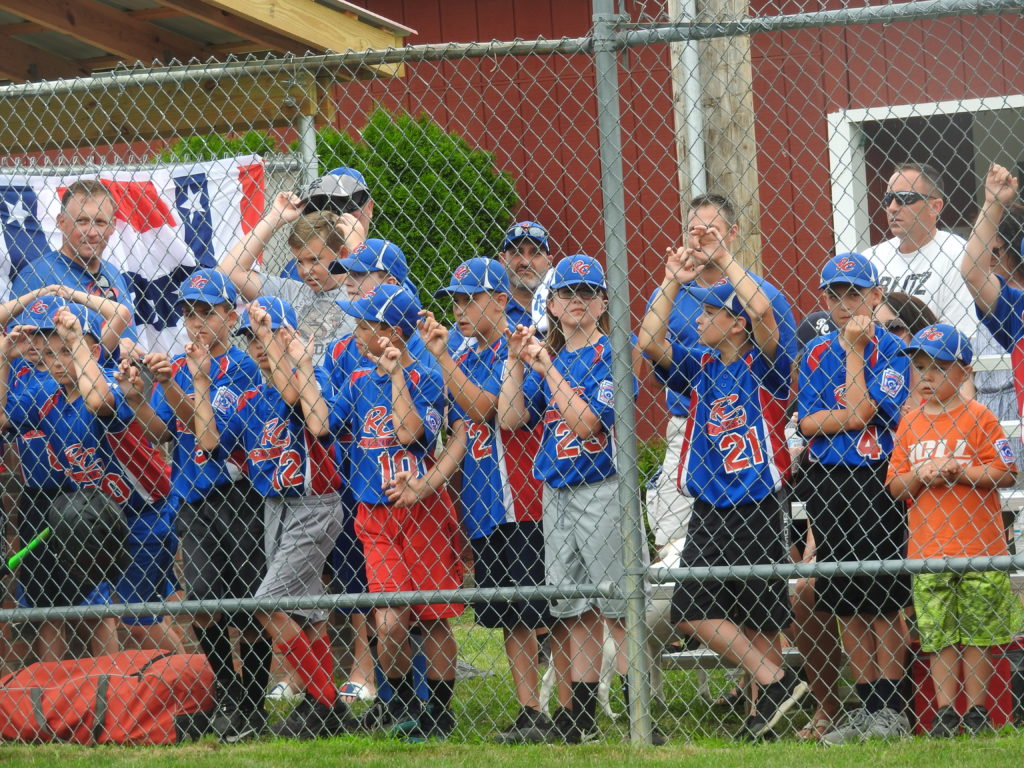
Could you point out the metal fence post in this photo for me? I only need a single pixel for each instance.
(614, 206)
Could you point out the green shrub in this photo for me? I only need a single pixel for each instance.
(438, 198)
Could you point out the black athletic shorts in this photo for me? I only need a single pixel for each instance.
(748, 534)
(222, 544)
(511, 556)
(854, 518)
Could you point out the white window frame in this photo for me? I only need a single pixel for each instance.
(851, 218)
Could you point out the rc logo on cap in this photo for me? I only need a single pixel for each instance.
(359, 249)
(846, 265)
(198, 281)
(932, 334)
(723, 281)
(39, 307)
(462, 272)
(580, 267)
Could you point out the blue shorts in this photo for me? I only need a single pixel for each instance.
(148, 577)
(348, 563)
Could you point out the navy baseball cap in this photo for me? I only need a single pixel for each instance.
(576, 270)
(343, 190)
(814, 325)
(476, 276)
(210, 286)
(942, 342)
(388, 304)
(39, 314)
(849, 269)
(523, 230)
(282, 314)
(721, 294)
(375, 255)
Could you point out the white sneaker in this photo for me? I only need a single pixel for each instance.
(854, 727)
(888, 724)
(284, 692)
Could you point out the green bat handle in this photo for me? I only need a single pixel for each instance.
(18, 556)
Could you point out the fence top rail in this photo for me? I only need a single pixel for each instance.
(626, 34)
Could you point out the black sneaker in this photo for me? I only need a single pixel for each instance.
(434, 723)
(392, 717)
(566, 730)
(530, 727)
(774, 701)
(977, 721)
(242, 725)
(312, 719)
(946, 724)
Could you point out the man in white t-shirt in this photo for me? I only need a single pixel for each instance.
(924, 261)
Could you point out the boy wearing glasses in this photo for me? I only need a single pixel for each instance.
(852, 386)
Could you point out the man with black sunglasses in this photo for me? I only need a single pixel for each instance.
(920, 259)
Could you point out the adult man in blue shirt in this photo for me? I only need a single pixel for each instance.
(86, 221)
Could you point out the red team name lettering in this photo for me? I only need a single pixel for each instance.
(724, 416)
(85, 469)
(273, 442)
(378, 429)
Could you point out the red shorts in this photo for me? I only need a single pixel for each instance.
(413, 548)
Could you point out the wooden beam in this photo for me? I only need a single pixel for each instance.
(148, 112)
(269, 39)
(21, 62)
(314, 25)
(144, 14)
(108, 29)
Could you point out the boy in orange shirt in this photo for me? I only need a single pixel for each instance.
(950, 459)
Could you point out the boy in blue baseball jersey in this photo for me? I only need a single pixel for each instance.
(220, 521)
(852, 386)
(393, 408)
(282, 427)
(500, 498)
(92, 441)
(378, 262)
(734, 462)
(568, 388)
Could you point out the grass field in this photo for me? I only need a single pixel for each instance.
(994, 752)
(699, 736)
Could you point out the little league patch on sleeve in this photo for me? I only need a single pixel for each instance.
(1005, 451)
(225, 401)
(605, 392)
(433, 420)
(892, 382)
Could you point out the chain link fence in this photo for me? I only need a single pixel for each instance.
(545, 390)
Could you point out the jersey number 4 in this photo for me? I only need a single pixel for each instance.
(742, 450)
(868, 445)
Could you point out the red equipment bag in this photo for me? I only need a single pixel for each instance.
(134, 697)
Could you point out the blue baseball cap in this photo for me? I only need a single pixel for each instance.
(523, 230)
(576, 270)
(849, 269)
(476, 276)
(210, 286)
(721, 294)
(282, 314)
(92, 322)
(942, 342)
(375, 255)
(388, 304)
(39, 314)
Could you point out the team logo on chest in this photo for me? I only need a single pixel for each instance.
(273, 441)
(725, 416)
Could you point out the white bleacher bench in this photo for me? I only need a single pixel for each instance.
(704, 658)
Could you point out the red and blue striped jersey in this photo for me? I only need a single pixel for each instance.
(497, 472)
(282, 457)
(822, 386)
(195, 473)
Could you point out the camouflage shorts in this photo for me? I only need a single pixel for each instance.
(979, 609)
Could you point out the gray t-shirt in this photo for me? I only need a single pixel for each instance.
(318, 315)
